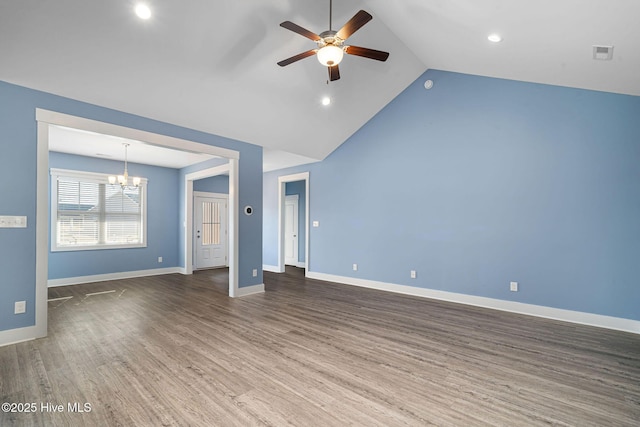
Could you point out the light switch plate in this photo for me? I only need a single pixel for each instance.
(316, 223)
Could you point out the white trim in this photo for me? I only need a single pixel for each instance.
(300, 264)
(189, 195)
(296, 199)
(99, 178)
(271, 268)
(282, 180)
(61, 119)
(15, 336)
(42, 231)
(207, 194)
(250, 290)
(52, 283)
(234, 221)
(224, 196)
(616, 323)
(232, 169)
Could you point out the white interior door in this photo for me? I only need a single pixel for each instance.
(210, 229)
(291, 230)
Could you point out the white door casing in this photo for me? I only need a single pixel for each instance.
(45, 118)
(210, 231)
(291, 230)
(282, 180)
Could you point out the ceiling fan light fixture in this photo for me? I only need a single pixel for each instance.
(330, 55)
(331, 48)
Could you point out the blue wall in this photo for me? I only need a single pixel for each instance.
(214, 184)
(18, 135)
(479, 182)
(299, 188)
(162, 223)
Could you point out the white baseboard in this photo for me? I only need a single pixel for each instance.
(276, 269)
(616, 323)
(111, 276)
(250, 290)
(15, 336)
(271, 268)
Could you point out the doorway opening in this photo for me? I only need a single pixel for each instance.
(211, 212)
(293, 223)
(47, 118)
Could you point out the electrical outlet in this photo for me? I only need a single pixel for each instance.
(20, 307)
(355, 267)
(513, 286)
(13, 221)
(413, 274)
(255, 272)
(159, 259)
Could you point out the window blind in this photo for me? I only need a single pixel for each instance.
(93, 214)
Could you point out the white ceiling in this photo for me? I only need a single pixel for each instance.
(211, 64)
(91, 144)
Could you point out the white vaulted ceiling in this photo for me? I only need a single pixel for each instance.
(210, 65)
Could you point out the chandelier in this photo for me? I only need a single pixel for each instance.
(123, 179)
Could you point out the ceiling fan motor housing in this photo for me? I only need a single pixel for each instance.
(329, 37)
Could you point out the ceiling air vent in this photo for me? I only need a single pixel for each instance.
(603, 53)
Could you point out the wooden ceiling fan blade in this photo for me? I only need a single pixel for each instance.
(298, 29)
(354, 24)
(297, 57)
(334, 73)
(378, 55)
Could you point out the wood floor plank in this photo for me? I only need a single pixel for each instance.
(174, 350)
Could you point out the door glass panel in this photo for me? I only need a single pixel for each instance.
(210, 223)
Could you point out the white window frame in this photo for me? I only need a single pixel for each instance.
(101, 179)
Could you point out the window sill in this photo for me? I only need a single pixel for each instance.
(96, 247)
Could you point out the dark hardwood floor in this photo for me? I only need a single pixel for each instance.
(175, 350)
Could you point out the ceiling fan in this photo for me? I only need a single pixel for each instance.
(331, 47)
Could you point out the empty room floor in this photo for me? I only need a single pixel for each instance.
(175, 350)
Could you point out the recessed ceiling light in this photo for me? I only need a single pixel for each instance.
(326, 100)
(143, 11)
(494, 38)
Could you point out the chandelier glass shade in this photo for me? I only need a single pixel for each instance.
(330, 55)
